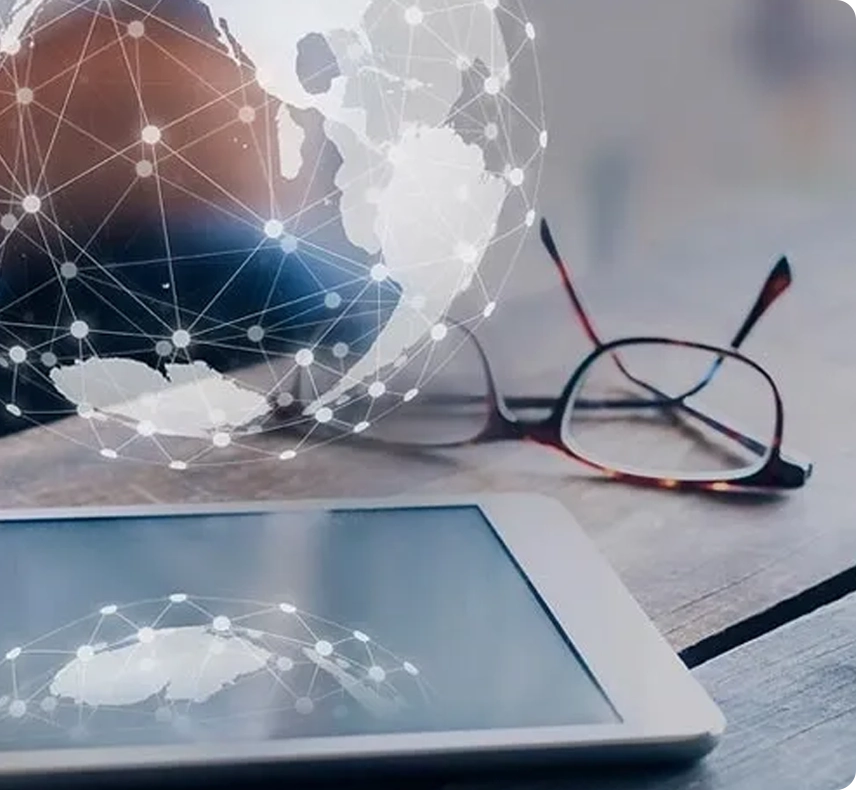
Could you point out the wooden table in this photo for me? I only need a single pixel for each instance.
(712, 572)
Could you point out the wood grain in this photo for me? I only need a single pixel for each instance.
(790, 700)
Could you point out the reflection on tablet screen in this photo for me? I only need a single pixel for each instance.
(262, 626)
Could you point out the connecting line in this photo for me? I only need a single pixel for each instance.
(787, 611)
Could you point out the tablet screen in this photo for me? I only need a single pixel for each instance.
(154, 630)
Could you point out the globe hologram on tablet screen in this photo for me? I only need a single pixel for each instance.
(180, 667)
(204, 201)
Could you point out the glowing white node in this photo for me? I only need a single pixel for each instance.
(8, 222)
(85, 653)
(467, 253)
(288, 455)
(285, 399)
(439, 332)
(462, 62)
(489, 309)
(544, 139)
(14, 654)
(246, 115)
(377, 389)
(288, 244)
(492, 86)
(146, 635)
(304, 358)
(151, 135)
(163, 348)
(79, 330)
(25, 95)
(324, 649)
(377, 674)
(144, 168)
(361, 637)
(274, 228)
(411, 395)
(178, 598)
(181, 338)
(530, 31)
(14, 410)
(304, 706)
(284, 664)
(379, 273)
(332, 301)
(341, 350)
(18, 355)
(410, 669)
(49, 704)
(110, 455)
(491, 5)
(18, 709)
(178, 466)
(491, 131)
(49, 359)
(109, 610)
(530, 219)
(324, 415)
(68, 270)
(221, 439)
(31, 204)
(256, 334)
(146, 428)
(362, 427)
(221, 624)
(288, 608)
(516, 177)
(136, 29)
(413, 15)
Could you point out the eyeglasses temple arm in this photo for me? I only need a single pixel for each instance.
(777, 282)
(565, 273)
(753, 445)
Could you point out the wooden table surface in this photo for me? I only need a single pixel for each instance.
(699, 565)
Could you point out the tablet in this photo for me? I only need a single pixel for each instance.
(317, 637)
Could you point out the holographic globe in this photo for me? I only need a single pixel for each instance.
(189, 669)
(224, 219)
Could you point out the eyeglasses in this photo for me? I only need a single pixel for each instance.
(644, 410)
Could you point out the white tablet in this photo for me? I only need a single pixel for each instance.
(316, 637)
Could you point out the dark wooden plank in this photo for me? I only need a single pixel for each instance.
(790, 700)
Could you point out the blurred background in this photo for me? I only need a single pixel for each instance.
(691, 143)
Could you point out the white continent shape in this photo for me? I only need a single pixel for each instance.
(413, 191)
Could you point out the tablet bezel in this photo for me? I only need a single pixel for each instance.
(664, 711)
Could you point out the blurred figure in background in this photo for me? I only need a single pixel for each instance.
(609, 181)
(787, 55)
